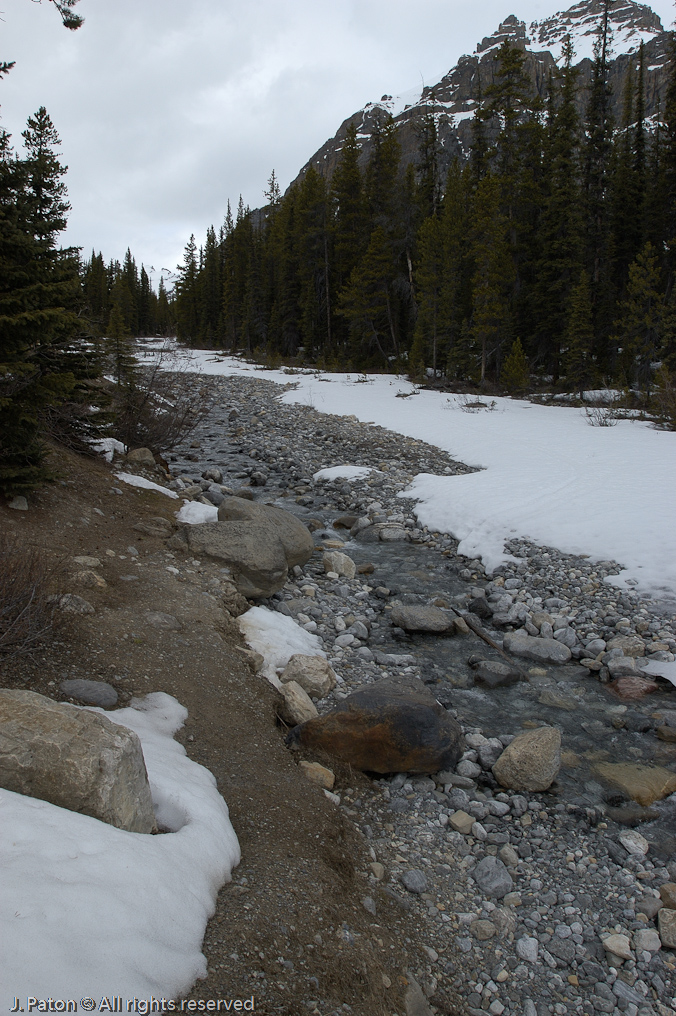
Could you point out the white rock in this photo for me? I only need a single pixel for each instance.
(634, 843)
(527, 949)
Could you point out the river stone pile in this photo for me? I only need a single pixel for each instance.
(527, 902)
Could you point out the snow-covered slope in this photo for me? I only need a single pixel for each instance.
(630, 24)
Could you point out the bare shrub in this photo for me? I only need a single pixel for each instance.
(26, 609)
(160, 406)
(664, 399)
(601, 416)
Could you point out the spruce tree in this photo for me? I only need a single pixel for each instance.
(640, 326)
(429, 285)
(493, 274)
(579, 337)
(514, 375)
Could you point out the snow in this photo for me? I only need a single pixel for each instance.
(343, 473)
(140, 481)
(107, 446)
(88, 909)
(546, 474)
(194, 513)
(277, 638)
(661, 668)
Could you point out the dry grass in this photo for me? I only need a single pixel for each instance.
(26, 609)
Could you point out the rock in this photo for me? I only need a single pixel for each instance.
(213, 474)
(527, 949)
(557, 699)
(634, 843)
(630, 645)
(394, 725)
(88, 578)
(414, 880)
(508, 855)
(429, 619)
(563, 949)
(157, 526)
(313, 673)
(539, 649)
(649, 907)
(618, 945)
(18, 503)
(378, 870)
(414, 1000)
(531, 761)
(666, 925)
(165, 622)
(74, 758)
(666, 733)
(644, 784)
(482, 930)
(492, 877)
(87, 562)
(631, 687)
(647, 940)
(91, 693)
(142, 457)
(668, 895)
(72, 604)
(298, 706)
(495, 674)
(259, 543)
(318, 774)
(339, 563)
(461, 822)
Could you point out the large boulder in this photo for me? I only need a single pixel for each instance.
(259, 543)
(531, 761)
(74, 758)
(413, 618)
(394, 725)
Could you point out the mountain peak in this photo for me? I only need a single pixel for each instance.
(630, 23)
(511, 29)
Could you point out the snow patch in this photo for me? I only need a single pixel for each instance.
(107, 446)
(90, 909)
(140, 481)
(277, 638)
(343, 473)
(194, 513)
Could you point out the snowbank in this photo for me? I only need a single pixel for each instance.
(194, 513)
(140, 481)
(107, 446)
(87, 909)
(277, 638)
(343, 473)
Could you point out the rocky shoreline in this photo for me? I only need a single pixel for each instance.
(530, 903)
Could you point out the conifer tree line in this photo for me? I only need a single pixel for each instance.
(119, 296)
(549, 252)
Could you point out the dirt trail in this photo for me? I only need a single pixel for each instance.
(290, 929)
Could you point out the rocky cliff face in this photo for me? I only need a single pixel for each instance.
(453, 99)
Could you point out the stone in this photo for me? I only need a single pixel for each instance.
(538, 649)
(142, 457)
(557, 699)
(313, 673)
(88, 578)
(630, 645)
(91, 693)
(482, 930)
(668, 895)
(649, 907)
(666, 733)
(494, 674)
(158, 527)
(633, 842)
(394, 725)
(165, 622)
(618, 945)
(298, 706)
(426, 619)
(414, 880)
(341, 564)
(643, 784)
(563, 949)
(18, 503)
(647, 940)
(508, 855)
(414, 1000)
(318, 774)
(527, 949)
(72, 604)
(378, 870)
(666, 925)
(531, 761)
(622, 666)
(461, 822)
(83, 561)
(74, 758)
(492, 877)
(259, 543)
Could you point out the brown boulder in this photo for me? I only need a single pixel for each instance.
(394, 725)
(531, 761)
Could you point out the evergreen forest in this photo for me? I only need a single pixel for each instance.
(548, 254)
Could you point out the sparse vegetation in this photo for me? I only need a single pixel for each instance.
(27, 614)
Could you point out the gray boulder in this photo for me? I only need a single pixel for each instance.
(495, 674)
(90, 693)
(259, 543)
(74, 758)
(430, 619)
(141, 456)
(531, 761)
(492, 877)
(538, 649)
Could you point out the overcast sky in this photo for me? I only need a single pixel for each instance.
(167, 108)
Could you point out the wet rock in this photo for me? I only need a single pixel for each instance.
(74, 758)
(643, 784)
(313, 673)
(341, 564)
(427, 619)
(394, 725)
(493, 878)
(556, 699)
(495, 674)
(531, 761)
(90, 693)
(538, 649)
(666, 734)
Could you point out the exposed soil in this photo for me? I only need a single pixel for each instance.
(290, 929)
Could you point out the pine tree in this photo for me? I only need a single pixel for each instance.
(366, 302)
(640, 327)
(429, 286)
(514, 375)
(187, 299)
(45, 209)
(579, 337)
(456, 295)
(493, 273)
